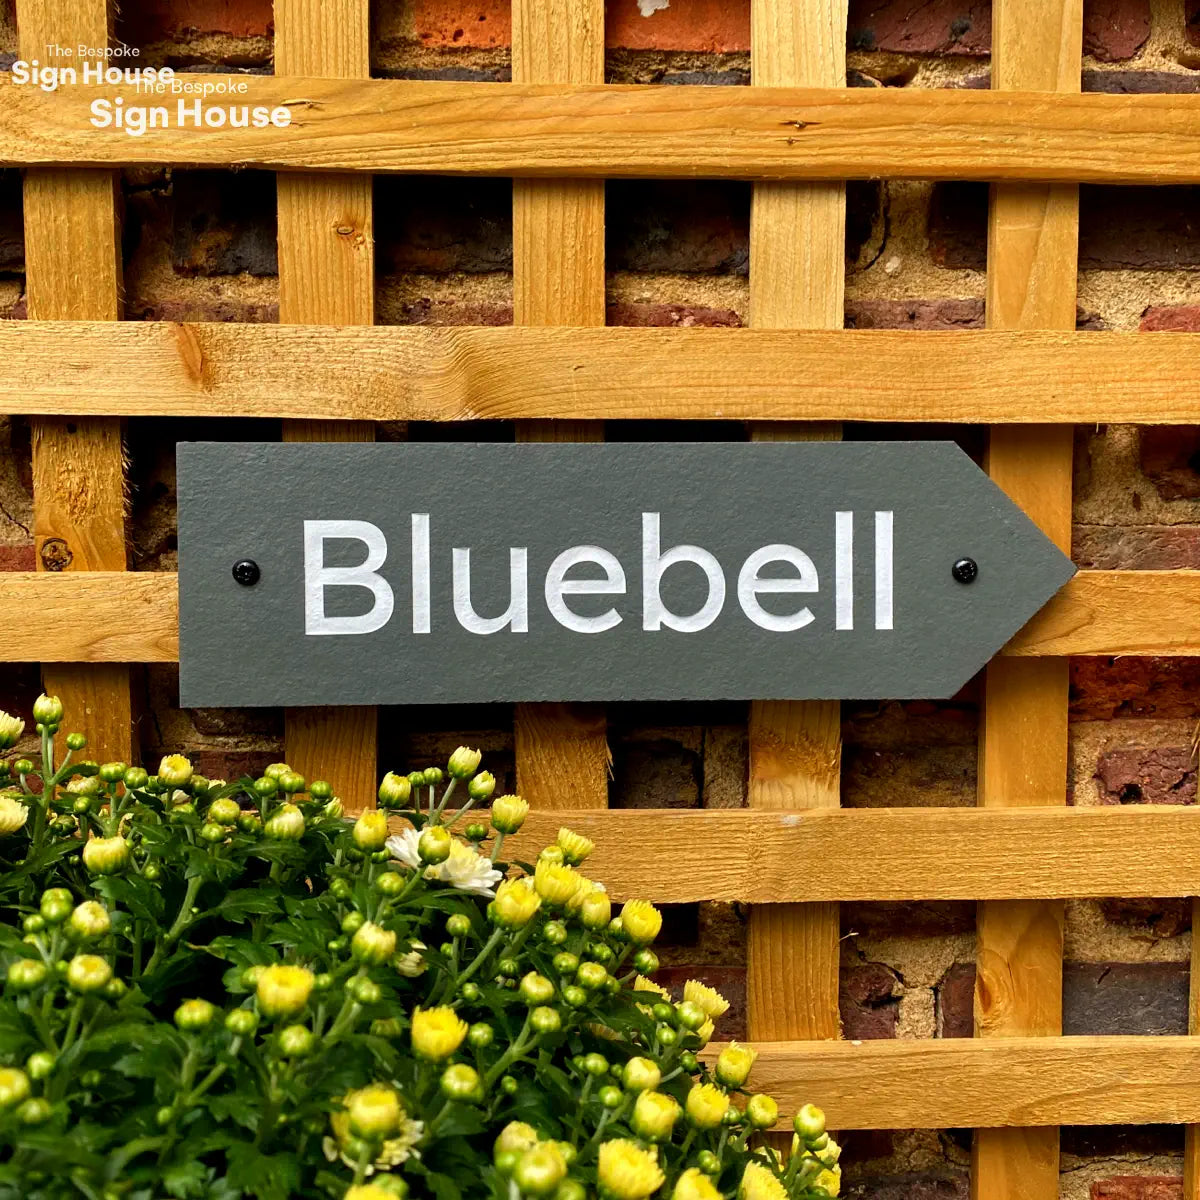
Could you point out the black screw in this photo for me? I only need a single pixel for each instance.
(965, 570)
(246, 572)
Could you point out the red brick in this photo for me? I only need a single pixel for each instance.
(955, 999)
(1163, 688)
(233, 764)
(867, 1001)
(1102, 999)
(1169, 457)
(936, 27)
(1136, 548)
(1114, 30)
(1147, 775)
(17, 558)
(1139, 1187)
(1191, 17)
(1154, 918)
(1171, 318)
(729, 981)
(712, 26)
(169, 20)
(666, 316)
(914, 314)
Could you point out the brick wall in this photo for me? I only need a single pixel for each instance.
(200, 245)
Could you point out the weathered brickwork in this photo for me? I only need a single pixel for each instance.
(200, 245)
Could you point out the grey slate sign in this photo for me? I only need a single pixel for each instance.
(438, 573)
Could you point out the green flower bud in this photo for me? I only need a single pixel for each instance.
(286, 824)
(762, 1111)
(76, 741)
(48, 710)
(213, 833)
(394, 791)
(461, 1082)
(536, 989)
(90, 920)
(34, 923)
(371, 830)
(23, 766)
(463, 763)
(387, 1027)
(199, 785)
(575, 996)
(689, 1062)
(40, 1064)
(106, 856)
(296, 1041)
(194, 1015)
(88, 973)
(364, 990)
(14, 1086)
(591, 975)
(565, 963)
(691, 1016)
(114, 989)
(601, 952)
(276, 771)
(470, 992)
(708, 1162)
(809, 1123)
(595, 1064)
(250, 823)
(334, 809)
(152, 871)
(434, 844)
(509, 968)
(25, 974)
(481, 1035)
(290, 783)
(459, 925)
(35, 1111)
(554, 932)
(352, 922)
(242, 1022)
(265, 787)
(641, 1074)
(341, 888)
(225, 811)
(509, 1086)
(136, 778)
(373, 944)
(475, 832)
(482, 786)
(390, 883)
(540, 1169)
(545, 1020)
(56, 905)
(113, 772)
(611, 1097)
(432, 776)
(320, 789)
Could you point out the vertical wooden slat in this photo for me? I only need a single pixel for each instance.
(73, 272)
(797, 280)
(1191, 1133)
(1032, 261)
(558, 279)
(327, 276)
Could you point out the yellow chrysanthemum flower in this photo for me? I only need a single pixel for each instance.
(627, 1172)
(734, 1063)
(706, 1105)
(283, 990)
(575, 846)
(693, 1184)
(831, 1181)
(437, 1032)
(375, 1111)
(759, 1184)
(556, 883)
(515, 904)
(642, 921)
(654, 1115)
(13, 814)
(707, 998)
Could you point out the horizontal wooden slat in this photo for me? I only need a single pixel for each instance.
(118, 617)
(614, 131)
(677, 857)
(961, 1083)
(447, 374)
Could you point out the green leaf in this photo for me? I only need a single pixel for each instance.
(266, 1176)
(248, 902)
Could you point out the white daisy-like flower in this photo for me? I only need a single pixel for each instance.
(464, 869)
(403, 847)
(393, 1152)
(467, 871)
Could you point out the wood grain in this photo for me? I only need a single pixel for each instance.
(1033, 238)
(1191, 1133)
(561, 750)
(996, 1082)
(399, 373)
(1099, 613)
(528, 130)
(72, 272)
(799, 856)
(797, 280)
(327, 276)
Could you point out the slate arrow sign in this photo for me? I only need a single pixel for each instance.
(438, 573)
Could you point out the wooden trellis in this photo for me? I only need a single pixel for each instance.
(328, 373)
